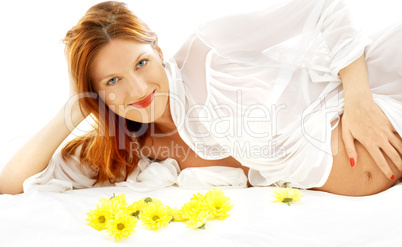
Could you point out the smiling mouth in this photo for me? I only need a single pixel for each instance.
(145, 102)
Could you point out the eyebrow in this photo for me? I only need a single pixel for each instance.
(135, 61)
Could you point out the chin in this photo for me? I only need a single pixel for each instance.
(148, 119)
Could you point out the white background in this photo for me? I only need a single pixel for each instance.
(33, 69)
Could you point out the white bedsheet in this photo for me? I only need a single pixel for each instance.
(58, 219)
(319, 219)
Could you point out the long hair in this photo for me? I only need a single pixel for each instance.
(110, 148)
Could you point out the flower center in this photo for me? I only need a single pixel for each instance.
(136, 213)
(287, 200)
(102, 219)
(155, 218)
(120, 226)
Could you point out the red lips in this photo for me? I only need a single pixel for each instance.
(144, 102)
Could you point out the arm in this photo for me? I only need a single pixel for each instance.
(34, 156)
(364, 121)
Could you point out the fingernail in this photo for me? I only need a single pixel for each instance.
(352, 162)
(392, 177)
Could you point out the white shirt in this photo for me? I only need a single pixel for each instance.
(253, 86)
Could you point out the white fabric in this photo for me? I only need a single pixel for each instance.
(212, 177)
(284, 62)
(278, 67)
(63, 175)
(152, 175)
(320, 219)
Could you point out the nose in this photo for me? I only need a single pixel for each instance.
(137, 88)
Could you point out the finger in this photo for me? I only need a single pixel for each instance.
(392, 127)
(381, 162)
(349, 142)
(392, 150)
(396, 141)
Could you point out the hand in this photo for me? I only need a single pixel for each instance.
(364, 121)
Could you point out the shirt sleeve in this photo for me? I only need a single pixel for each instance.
(61, 175)
(296, 24)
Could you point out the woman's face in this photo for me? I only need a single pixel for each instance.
(131, 80)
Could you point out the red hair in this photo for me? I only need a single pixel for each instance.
(112, 147)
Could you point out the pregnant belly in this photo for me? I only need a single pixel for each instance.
(365, 178)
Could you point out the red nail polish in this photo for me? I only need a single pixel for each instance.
(392, 177)
(352, 162)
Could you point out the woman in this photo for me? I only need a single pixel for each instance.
(240, 93)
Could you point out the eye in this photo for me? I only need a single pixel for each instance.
(142, 63)
(112, 81)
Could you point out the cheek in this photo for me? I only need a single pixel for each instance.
(112, 97)
(156, 73)
(115, 103)
(162, 80)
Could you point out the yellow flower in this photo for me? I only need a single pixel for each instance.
(149, 200)
(198, 197)
(218, 205)
(198, 221)
(287, 195)
(192, 209)
(99, 217)
(177, 215)
(119, 200)
(115, 203)
(135, 208)
(121, 226)
(155, 215)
